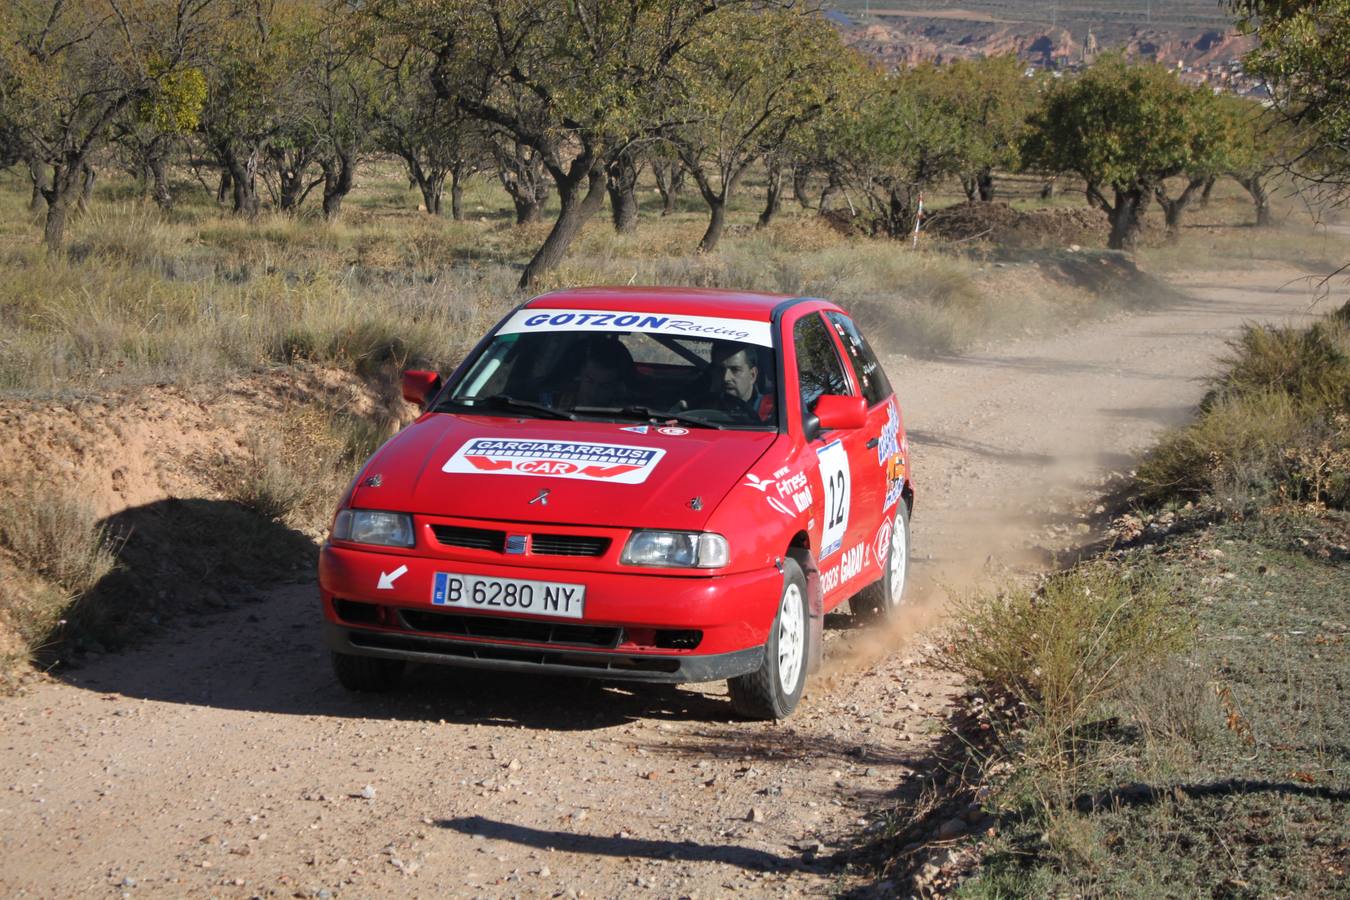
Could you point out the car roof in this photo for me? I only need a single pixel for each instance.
(750, 305)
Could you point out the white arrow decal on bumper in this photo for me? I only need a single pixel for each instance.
(387, 579)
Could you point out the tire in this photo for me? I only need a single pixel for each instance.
(881, 600)
(367, 674)
(772, 691)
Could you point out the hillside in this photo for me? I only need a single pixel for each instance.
(1196, 34)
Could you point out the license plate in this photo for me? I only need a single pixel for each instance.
(540, 598)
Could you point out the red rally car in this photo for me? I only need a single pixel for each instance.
(652, 484)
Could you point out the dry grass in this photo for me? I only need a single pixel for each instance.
(195, 294)
(1064, 651)
(57, 535)
(56, 538)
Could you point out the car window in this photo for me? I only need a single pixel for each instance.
(624, 367)
(875, 386)
(818, 365)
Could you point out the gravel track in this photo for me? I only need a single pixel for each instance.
(222, 759)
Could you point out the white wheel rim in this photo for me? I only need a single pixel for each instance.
(899, 560)
(791, 638)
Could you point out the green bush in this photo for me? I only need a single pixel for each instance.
(1274, 427)
(1061, 652)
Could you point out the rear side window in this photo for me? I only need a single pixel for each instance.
(818, 363)
(875, 386)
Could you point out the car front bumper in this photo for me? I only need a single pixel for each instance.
(636, 627)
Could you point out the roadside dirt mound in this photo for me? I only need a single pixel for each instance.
(998, 223)
(161, 466)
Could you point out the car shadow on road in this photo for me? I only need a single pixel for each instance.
(212, 605)
(622, 846)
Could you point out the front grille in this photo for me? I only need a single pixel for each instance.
(495, 541)
(540, 632)
(569, 545)
(471, 538)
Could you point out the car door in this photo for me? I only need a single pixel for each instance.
(846, 464)
(884, 473)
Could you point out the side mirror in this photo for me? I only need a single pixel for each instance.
(837, 411)
(419, 387)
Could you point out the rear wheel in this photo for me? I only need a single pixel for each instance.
(881, 600)
(368, 674)
(772, 691)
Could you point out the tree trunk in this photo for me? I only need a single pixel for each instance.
(223, 191)
(1172, 209)
(242, 182)
(338, 178)
(292, 190)
(773, 199)
(1257, 190)
(66, 183)
(37, 171)
(833, 188)
(984, 182)
(801, 176)
(902, 211)
(621, 183)
(577, 209)
(521, 172)
(669, 183)
(717, 214)
(87, 178)
(527, 210)
(246, 201)
(160, 177)
(457, 194)
(432, 190)
(1127, 218)
(54, 229)
(972, 188)
(1048, 190)
(1209, 189)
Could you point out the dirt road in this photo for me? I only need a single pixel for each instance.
(224, 760)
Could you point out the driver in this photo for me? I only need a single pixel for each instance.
(735, 373)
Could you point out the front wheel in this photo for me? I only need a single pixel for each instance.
(367, 674)
(773, 690)
(880, 601)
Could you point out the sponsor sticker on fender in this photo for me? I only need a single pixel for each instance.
(577, 460)
(881, 544)
(539, 320)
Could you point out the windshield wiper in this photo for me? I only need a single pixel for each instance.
(644, 413)
(504, 402)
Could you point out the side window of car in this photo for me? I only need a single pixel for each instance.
(818, 365)
(875, 386)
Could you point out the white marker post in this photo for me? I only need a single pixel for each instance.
(918, 219)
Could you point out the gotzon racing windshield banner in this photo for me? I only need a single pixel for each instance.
(711, 327)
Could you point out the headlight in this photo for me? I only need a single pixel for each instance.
(364, 526)
(676, 549)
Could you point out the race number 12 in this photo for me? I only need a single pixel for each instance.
(835, 476)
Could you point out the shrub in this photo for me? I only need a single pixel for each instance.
(57, 535)
(1064, 650)
(1309, 364)
(1275, 425)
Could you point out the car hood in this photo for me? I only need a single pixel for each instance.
(595, 473)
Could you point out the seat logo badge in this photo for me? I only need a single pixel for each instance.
(542, 499)
(516, 543)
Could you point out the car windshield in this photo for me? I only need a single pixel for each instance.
(615, 366)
